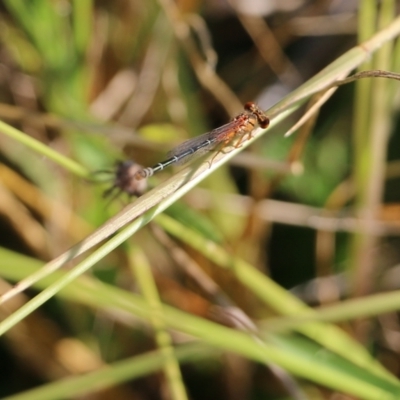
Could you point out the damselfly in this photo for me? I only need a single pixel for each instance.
(236, 132)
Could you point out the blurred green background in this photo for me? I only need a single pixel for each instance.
(98, 82)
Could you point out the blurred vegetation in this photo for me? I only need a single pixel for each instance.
(209, 299)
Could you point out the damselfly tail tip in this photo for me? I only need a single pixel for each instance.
(125, 180)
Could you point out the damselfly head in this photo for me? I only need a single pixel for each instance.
(262, 119)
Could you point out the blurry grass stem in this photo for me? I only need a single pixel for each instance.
(142, 271)
(44, 150)
(372, 126)
(113, 374)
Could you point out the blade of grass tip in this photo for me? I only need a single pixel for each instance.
(44, 150)
(144, 277)
(329, 336)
